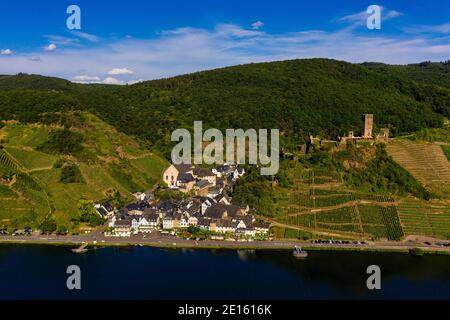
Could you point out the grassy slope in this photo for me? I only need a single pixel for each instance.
(446, 150)
(103, 147)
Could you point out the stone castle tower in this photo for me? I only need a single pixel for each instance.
(367, 126)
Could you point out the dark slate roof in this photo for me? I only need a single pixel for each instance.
(214, 189)
(167, 205)
(227, 223)
(151, 217)
(214, 213)
(224, 168)
(185, 177)
(102, 211)
(123, 223)
(202, 172)
(183, 168)
(221, 196)
(202, 184)
(203, 222)
(149, 211)
(108, 206)
(232, 210)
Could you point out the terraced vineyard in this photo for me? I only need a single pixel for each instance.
(335, 209)
(425, 161)
(425, 220)
(108, 162)
(367, 221)
(320, 176)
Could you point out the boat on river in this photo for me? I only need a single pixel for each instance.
(299, 253)
(81, 249)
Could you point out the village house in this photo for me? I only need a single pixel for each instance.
(224, 170)
(201, 188)
(246, 232)
(226, 226)
(261, 227)
(171, 175)
(223, 199)
(205, 174)
(105, 209)
(144, 196)
(213, 192)
(238, 173)
(136, 209)
(193, 220)
(168, 222)
(186, 182)
(122, 228)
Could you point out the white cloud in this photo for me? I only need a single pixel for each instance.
(50, 47)
(360, 18)
(6, 52)
(62, 41)
(119, 71)
(86, 79)
(85, 36)
(111, 80)
(187, 49)
(257, 25)
(442, 28)
(34, 59)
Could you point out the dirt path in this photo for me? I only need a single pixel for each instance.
(340, 206)
(319, 232)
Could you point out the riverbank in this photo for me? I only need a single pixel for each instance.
(175, 243)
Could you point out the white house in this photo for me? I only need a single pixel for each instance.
(184, 222)
(122, 228)
(192, 221)
(248, 232)
(135, 225)
(105, 209)
(112, 221)
(223, 170)
(261, 228)
(206, 204)
(226, 226)
(145, 226)
(168, 222)
(239, 172)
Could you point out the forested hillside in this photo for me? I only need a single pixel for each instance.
(300, 97)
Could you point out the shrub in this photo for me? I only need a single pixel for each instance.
(62, 142)
(71, 174)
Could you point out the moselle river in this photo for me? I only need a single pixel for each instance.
(39, 272)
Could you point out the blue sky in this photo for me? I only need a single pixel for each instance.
(128, 41)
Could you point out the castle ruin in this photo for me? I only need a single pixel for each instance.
(366, 135)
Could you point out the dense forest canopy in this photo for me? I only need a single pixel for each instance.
(299, 97)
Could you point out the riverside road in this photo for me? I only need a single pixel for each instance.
(155, 239)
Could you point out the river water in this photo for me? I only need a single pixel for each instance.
(39, 272)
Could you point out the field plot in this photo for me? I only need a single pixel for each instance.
(382, 222)
(425, 161)
(422, 219)
(319, 176)
(26, 135)
(32, 160)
